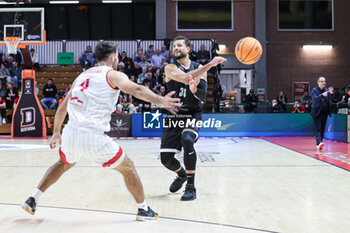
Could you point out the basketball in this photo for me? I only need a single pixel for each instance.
(248, 50)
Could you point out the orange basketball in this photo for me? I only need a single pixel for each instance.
(248, 50)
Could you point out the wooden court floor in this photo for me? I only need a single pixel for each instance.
(243, 185)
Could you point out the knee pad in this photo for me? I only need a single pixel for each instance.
(187, 140)
(166, 158)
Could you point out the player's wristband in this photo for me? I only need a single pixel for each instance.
(201, 90)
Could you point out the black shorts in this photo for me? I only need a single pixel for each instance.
(173, 130)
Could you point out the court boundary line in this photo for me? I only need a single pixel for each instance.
(265, 139)
(170, 218)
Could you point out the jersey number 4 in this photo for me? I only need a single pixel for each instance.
(84, 84)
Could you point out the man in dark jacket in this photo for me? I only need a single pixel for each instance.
(320, 109)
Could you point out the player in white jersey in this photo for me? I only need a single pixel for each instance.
(90, 103)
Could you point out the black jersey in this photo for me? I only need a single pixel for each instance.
(190, 103)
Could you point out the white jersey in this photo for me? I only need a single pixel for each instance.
(93, 100)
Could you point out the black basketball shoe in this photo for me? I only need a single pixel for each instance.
(177, 184)
(29, 205)
(190, 193)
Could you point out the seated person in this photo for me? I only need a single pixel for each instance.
(3, 111)
(16, 74)
(125, 103)
(87, 58)
(4, 74)
(252, 101)
(275, 107)
(50, 95)
(203, 55)
(11, 95)
(297, 108)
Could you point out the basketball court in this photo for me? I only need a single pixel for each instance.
(243, 185)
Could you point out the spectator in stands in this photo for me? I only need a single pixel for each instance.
(132, 78)
(15, 102)
(4, 74)
(252, 101)
(127, 60)
(2, 91)
(125, 103)
(306, 99)
(349, 106)
(67, 89)
(157, 75)
(163, 64)
(156, 59)
(164, 52)
(297, 108)
(345, 95)
(150, 68)
(275, 107)
(144, 62)
(17, 57)
(87, 58)
(35, 59)
(171, 58)
(3, 111)
(16, 74)
(192, 55)
(282, 99)
(50, 94)
(11, 95)
(4, 60)
(137, 69)
(142, 76)
(162, 91)
(203, 55)
(9, 62)
(150, 52)
(152, 82)
(121, 67)
(138, 55)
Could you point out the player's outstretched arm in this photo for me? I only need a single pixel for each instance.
(172, 72)
(121, 80)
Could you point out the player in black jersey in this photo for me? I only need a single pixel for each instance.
(189, 80)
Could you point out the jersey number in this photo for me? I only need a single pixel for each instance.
(182, 92)
(85, 84)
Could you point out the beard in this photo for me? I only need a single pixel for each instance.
(181, 55)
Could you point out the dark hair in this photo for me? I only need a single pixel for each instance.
(32, 50)
(104, 49)
(187, 41)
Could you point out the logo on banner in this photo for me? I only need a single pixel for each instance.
(27, 87)
(27, 119)
(152, 120)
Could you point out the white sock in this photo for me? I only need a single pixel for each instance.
(37, 193)
(143, 206)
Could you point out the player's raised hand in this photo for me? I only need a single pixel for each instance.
(217, 60)
(169, 102)
(55, 138)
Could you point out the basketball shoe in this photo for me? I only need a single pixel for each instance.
(320, 146)
(143, 215)
(29, 205)
(190, 193)
(177, 184)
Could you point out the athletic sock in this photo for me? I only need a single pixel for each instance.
(182, 172)
(36, 195)
(190, 178)
(143, 205)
